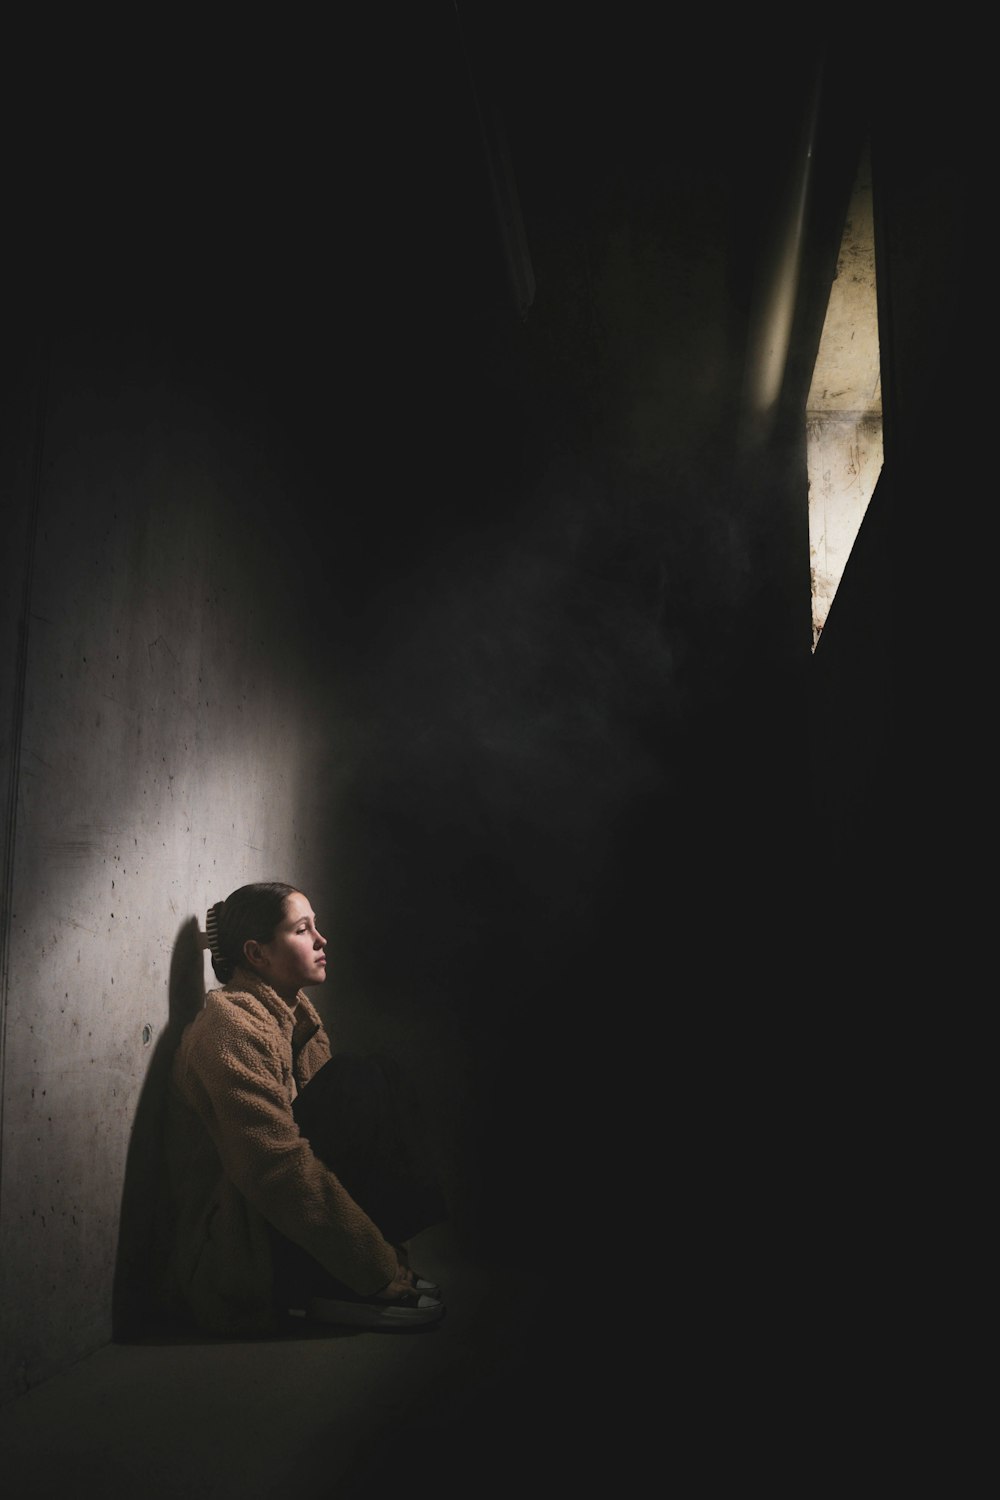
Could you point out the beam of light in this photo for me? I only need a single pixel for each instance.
(771, 325)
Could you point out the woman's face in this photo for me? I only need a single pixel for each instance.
(294, 957)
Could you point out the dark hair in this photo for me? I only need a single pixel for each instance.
(252, 911)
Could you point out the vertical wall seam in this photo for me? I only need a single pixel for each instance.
(17, 726)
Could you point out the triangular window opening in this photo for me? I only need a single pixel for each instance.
(844, 406)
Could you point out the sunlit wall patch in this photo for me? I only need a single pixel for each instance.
(844, 406)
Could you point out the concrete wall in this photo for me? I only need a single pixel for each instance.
(169, 751)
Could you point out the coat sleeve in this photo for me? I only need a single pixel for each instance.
(234, 1081)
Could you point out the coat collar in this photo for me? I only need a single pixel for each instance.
(299, 1022)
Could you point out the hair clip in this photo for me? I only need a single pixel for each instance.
(212, 918)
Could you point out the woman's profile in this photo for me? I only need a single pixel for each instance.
(295, 1176)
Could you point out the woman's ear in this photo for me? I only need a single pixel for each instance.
(254, 953)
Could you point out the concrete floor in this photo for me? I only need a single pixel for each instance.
(528, 1386)
(457, 1408)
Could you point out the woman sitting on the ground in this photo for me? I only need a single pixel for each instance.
(295, 1175)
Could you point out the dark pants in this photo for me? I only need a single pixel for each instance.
(362, 1118)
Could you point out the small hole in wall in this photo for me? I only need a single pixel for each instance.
(147, 1034)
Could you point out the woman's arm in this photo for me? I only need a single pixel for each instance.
(232, 1075)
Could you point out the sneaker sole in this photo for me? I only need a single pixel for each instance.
(377, 1315)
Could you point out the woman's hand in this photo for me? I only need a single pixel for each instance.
(399, 1286)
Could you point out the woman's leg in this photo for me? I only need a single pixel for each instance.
(362, 1119)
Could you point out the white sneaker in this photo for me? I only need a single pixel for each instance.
(427, 1288)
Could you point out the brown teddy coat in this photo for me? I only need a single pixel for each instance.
(237, 1162)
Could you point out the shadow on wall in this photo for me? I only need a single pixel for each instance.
(142, 1236)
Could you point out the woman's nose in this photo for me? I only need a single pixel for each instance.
(321, 940)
